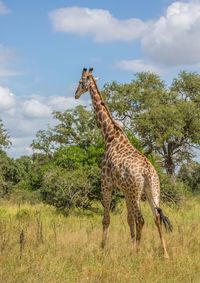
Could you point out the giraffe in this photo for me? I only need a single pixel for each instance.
(124, 167)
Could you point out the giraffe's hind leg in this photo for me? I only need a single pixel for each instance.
(139, 221)
(130, 220)
(107, 196)
(159, 227)
(154, 204)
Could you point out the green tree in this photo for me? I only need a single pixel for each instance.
(44, 143)
(24, 165)
(70, 157)
(76, 127)
(4, 137)
(8, 168)
(9, 174)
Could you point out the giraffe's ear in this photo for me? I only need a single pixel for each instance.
(84, 71)
(90, 71)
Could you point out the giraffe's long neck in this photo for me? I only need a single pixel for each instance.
(108, 126)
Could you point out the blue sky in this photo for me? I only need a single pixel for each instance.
(45, 57)
(45, 44)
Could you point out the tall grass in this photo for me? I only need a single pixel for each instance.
(37, 244)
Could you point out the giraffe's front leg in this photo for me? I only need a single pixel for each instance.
(139, 226)
(107, 196)
(131, 223)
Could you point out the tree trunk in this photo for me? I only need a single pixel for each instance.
(169, 165)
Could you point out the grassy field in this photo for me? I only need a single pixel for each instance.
(40, 245)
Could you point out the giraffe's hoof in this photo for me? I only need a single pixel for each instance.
(137, 250)
(166, 256)
(137, 247)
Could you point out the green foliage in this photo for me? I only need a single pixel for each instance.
(70, 157)
(44, 142)
(94, 153)
(4, 137)
(172, 192)
(37, 173)
(22, 192)
(65, 189)
(187, 85)
(5, 188)
(190, 174)
(94, 178)
(9, 174)
(76, 126)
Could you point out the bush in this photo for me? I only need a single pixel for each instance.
(22, 192)
(172, 192)
(65, 189)
(190, 174)
(35, 177)
(5, 188)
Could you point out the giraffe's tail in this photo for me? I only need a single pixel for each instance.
(165, 220)
(153, 196)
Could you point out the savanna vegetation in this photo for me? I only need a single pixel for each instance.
(39, 244)
(50, 217)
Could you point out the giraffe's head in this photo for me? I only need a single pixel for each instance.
(84, 83)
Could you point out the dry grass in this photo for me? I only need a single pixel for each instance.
(55, 248)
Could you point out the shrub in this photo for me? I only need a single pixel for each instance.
(5, 188)
(65, 189)
(22, 192)
(172, 192)
(190, 174)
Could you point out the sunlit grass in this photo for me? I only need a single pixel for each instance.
(67, 249)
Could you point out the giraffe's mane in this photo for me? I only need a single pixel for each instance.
(107, 110)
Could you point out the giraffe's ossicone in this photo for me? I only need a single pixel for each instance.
(125, 168)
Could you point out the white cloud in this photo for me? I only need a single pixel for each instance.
(23, 116)
(20, 146)
(97, 23)
(170, 40)
(61, 103)
(35, 109)
(7, 99)
(175, 37)
(20, 126)
(3, 9)
(138, 66)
